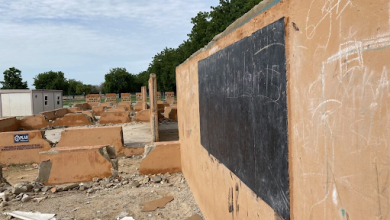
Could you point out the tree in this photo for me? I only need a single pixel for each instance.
(51, 80)
(72, 86)
(13, 79)
(118, 80)
(206, 25)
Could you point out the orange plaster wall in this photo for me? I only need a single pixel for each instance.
(18, 153)
(114, 118)
(165, 157)
(61, 112)
(50, 115)
(143, 116)
(72, 165)
(34, 122)
(72, 120)
(338, 114)
(98, 110)
(77, 137)
(9, 124)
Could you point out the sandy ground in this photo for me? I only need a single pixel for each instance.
(110, 203)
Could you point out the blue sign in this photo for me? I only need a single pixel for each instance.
(20, 138)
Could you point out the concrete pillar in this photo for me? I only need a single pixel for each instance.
(153, 106)
(144, 98)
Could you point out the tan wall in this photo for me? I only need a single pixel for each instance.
(72, 165)
(9, 124)
(98, 110)
(128, 152)
(73, 120)
(170, 112)
(165, 157)
(127, 104)
(143, 116)
(114, 118)
(338, 114)
(78, 137)
(61, 112)
(50, 115)
(21, 153)
(34, 122)
(93, 98)
(74, 109)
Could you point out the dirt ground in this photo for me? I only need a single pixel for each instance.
(108, 203)
(117, 201)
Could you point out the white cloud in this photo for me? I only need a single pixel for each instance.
(84, 38)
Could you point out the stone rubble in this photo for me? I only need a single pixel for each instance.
(37, 192)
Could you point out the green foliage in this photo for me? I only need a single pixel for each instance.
(51, 80)
(118, 80)
(13, 79)
(206, 25)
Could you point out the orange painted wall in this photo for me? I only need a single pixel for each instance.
(73, 120)
(72, 165)
(21, 153)
(338, 113)
(114, 118)
(165, 157)
(78, 137)
(9, 124)
(143, 116)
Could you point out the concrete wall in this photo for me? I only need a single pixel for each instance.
(163, 157)
(114, 118)
(9, 124)
(78, 137)
(37, 102)
(75, 164)
(338, 99)
(22, 152)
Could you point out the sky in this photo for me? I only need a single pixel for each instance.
(86, 38)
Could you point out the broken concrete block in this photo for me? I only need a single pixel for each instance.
(164, 157)
(22, 147)
(26, 198)
(77, 164)
(67, 187)
(76, 137)
(158, 203)
(21, 188)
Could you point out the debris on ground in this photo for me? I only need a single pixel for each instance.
(158, 203)
(31, 215)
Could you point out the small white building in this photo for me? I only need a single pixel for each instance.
(24, 102)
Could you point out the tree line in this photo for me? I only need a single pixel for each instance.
(206, 25)
(117, 80)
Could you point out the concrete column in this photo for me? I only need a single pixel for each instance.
(153, 107)
(144, 98)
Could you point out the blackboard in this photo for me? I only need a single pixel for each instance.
(243, 113)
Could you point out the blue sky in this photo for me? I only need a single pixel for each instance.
(85, 38)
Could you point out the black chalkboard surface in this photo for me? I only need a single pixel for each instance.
(243, 113)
